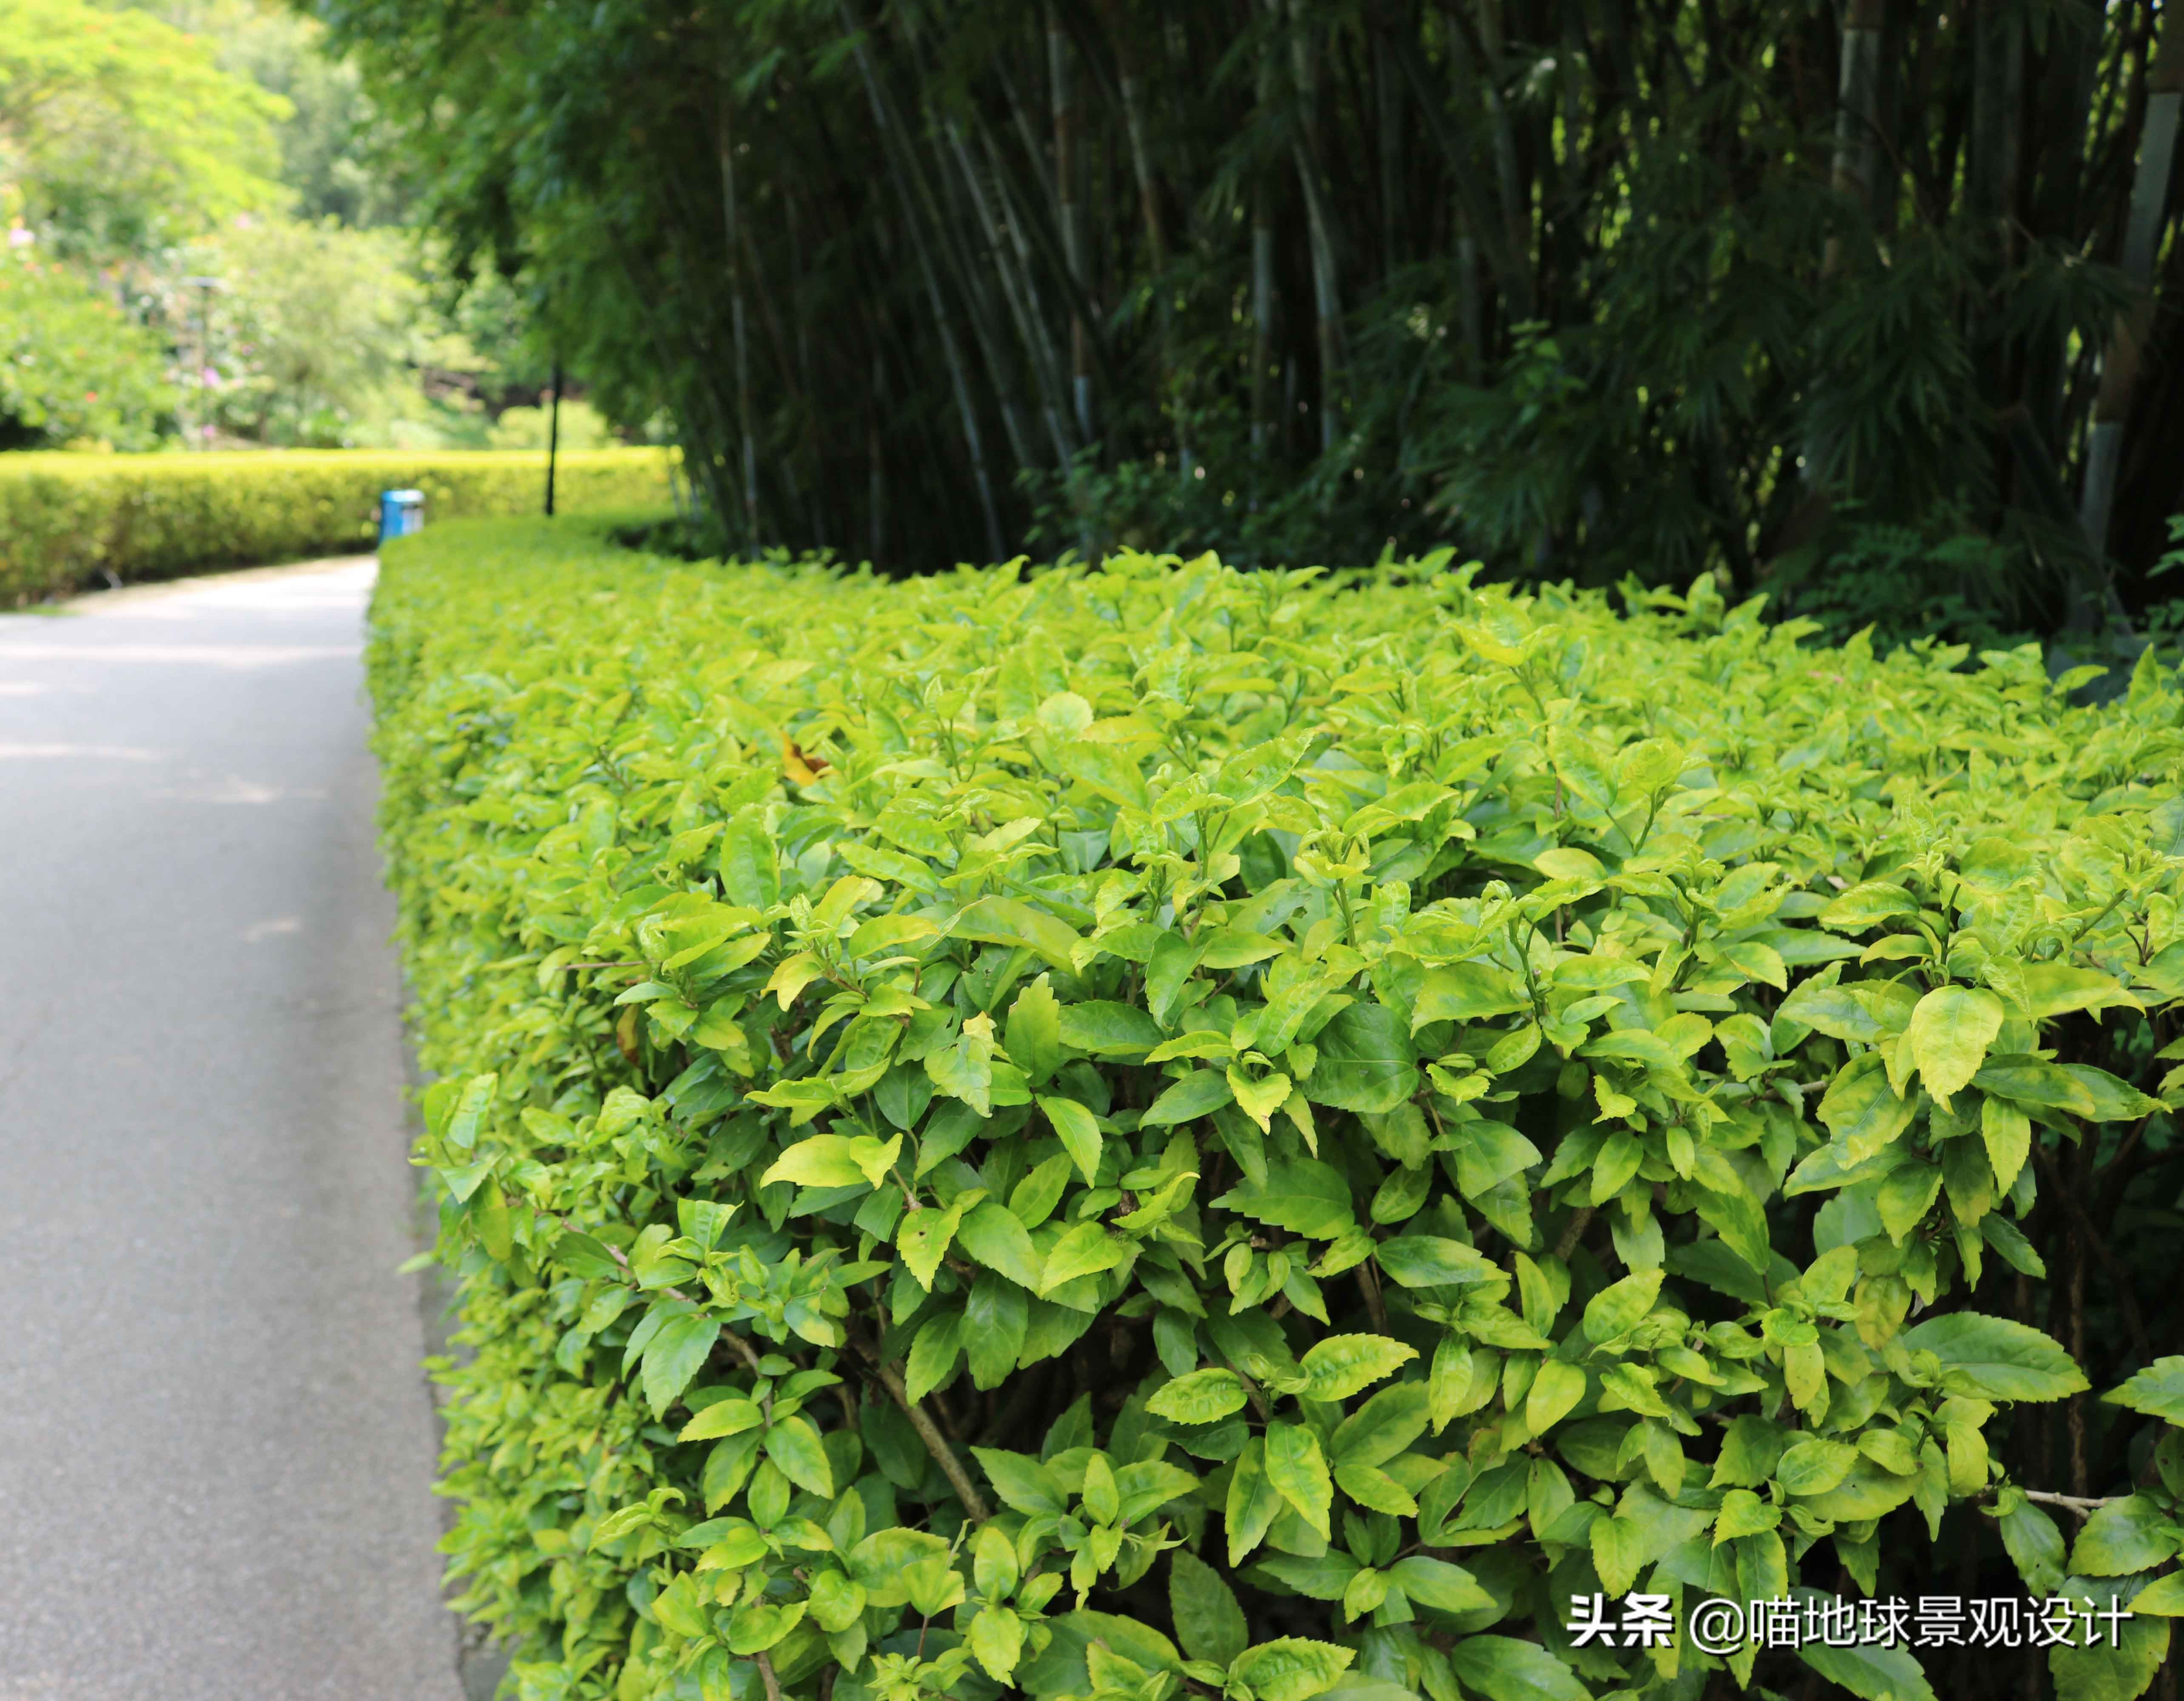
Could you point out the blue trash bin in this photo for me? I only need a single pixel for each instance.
(400, 513)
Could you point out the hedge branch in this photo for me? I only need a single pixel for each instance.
(728, 1334)
(944, 1455)
(1369, 1286)
(2096, 1243)
(1252, 1391)
(2084, 1505)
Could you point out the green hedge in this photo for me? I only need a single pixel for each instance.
(69, 520)
(1118, 1134)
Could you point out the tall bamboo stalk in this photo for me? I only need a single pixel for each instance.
(784, 362)
(734, 231)
(1508, 179)
(1068, 196)
(1262, 319)
(1055, 403)
(1387, 101)
(1156, 254)
(957, 242)
(2150, 206)
(1479, 223)
(894, 145)
(876, 459)
(1027, 193)
(1262, 299)
(1326, 284)
(799, 310)
(1009, 271)
(1858, 112)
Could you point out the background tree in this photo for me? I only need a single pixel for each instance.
(119, 131)
(326, 159)
(1595, 287)
(74, 367)
(203, 242)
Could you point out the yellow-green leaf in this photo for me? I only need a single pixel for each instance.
(1345, 1364)
(1298, 1470)
(1203, 1396)
(825, 1160)
(1558, 1386)
(1950, 1033)
(1078, 1130)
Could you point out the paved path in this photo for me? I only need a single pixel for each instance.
(215, 1443)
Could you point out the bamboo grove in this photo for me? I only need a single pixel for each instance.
(1587, 286)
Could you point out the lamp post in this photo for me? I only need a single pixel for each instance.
(205, 286)
(552, 437)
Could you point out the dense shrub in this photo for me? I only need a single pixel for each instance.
(1106, 1133)
(67, 520)
(73, 365)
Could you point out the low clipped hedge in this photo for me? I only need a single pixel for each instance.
(68, 520)
(1162, 1130)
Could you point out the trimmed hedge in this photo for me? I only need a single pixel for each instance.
(1112, 1133)
(68, 520)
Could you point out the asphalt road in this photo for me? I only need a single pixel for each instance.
(216, 1445)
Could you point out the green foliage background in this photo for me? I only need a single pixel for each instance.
(1586, 290)
(189, 191)
(73, 367)
(120, 134)
(1121, 1133)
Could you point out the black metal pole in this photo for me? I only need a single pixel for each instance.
(553, 438)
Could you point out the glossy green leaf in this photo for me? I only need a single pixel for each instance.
(995, 1237)
(794, 1446)
(1365, 1063)
(1086, 1250)
(1304, 1197)
(1209, 1623)
(2125, 1535)
(1995, 1358)
(1556, 1387)
(1197, 1094)
(1289, 1668)
(1505, 1668)
(677, 1353)
(1345, 1364)
(1871, 1672)
(1298, 1471)
(1079, 1131)
(822, 1161)
(1619, 1307)
(1950, 1033)
(1203, 1396)
(2158, 1391)
(1432, 1261)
